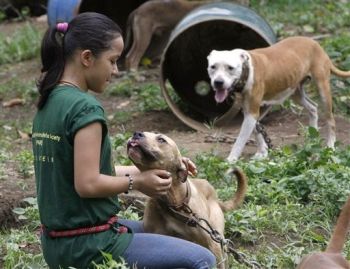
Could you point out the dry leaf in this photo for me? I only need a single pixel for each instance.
(13, 102)
(23, 135)
(123, 104)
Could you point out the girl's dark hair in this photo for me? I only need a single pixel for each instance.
(89, 30)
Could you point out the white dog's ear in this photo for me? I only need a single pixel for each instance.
(244, 56)
(211, 53)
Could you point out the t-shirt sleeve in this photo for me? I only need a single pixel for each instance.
(84, 114)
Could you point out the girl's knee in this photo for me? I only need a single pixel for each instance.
(207, 262)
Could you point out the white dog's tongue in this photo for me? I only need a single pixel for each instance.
(220, 95)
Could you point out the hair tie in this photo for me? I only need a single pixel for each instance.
(62, 27)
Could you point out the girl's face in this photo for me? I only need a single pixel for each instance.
(104, 66)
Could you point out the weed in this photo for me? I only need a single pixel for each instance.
(25, 160)
(304, 17)
(295, 184)
(122, 117)
(29, 213)
(149, 98)
(110, 263)
(119, 141)
(124, 88)
(16, 244)
(14, 88)
(24, 44)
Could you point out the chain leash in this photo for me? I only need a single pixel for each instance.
(230, 139)
(261, 129)
(191, 219)
(241, 257)
(227, 245)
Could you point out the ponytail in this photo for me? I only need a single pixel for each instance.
(52, 59)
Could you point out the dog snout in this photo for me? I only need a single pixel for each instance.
(218, 83)
(138, 135)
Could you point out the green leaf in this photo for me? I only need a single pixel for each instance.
(19, 210)
(257, 170)
(313, 132)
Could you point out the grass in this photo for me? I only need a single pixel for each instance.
(293, 200)
(22, 45)
(304, 17)
(146, 95)
(294, 196)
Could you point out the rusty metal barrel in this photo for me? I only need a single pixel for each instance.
(184, 80)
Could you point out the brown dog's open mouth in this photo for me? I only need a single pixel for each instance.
(136, 152)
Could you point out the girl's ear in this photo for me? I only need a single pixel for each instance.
(86, 58)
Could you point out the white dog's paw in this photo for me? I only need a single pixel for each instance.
(260, 155)
(232, 159)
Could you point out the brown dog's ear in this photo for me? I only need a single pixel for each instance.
(182, 173)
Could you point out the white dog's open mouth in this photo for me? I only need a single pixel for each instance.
(221, 95)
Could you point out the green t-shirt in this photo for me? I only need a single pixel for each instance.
(66, 111)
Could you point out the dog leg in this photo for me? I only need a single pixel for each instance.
(301, 98)
(221, 258)
(262, 151)
(247, 128)
(141, 40)
(325, 92)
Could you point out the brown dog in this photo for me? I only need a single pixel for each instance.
(269, 76)
(332, 257)
(155, 17)
(187, 199)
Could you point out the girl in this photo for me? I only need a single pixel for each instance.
(76, 187)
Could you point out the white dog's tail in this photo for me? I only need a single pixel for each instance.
(338, 238)
(239, 195)
(339, 73)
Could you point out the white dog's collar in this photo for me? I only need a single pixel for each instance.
(239, 86)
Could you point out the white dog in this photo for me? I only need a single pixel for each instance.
(269, 76)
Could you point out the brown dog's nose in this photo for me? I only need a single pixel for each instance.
(138, 135)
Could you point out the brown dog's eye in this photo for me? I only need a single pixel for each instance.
(161, 140)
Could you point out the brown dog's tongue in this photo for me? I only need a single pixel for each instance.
(220, 95)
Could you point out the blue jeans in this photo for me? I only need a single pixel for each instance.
(153, 251)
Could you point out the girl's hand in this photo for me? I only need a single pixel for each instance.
(191, 167)
(153, 182)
